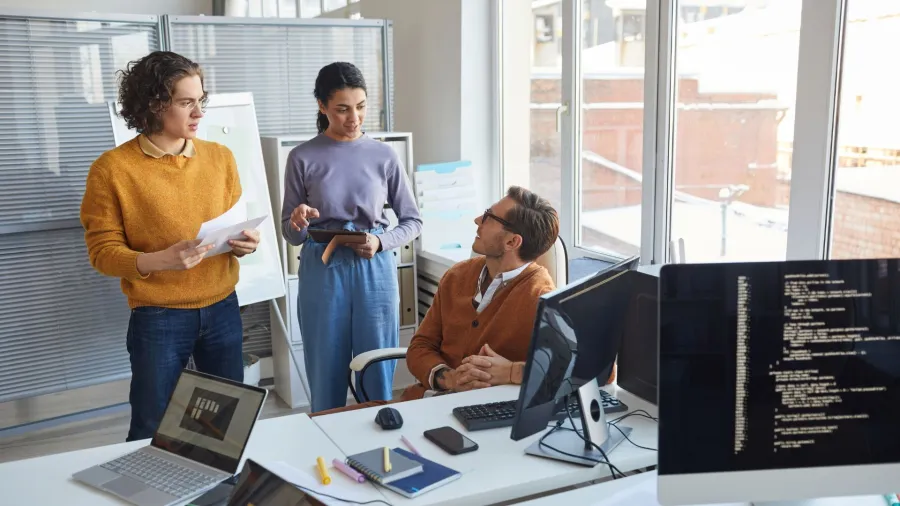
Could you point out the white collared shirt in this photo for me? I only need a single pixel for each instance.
(500, 280)
(482, 301)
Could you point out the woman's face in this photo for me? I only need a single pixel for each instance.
(346, 111)
(181, 119)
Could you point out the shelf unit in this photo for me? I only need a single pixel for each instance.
(287, 383)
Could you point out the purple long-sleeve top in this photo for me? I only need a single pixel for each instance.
(349, 181)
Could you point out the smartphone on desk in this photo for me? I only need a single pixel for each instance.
(450, 440)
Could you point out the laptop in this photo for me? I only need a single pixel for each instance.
(199, 443)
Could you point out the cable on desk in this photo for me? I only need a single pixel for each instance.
(315, 493)
(630, 441)
(612, 469)
(638, 412)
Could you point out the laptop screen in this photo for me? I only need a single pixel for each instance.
(209, 419)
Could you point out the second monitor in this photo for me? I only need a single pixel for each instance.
(576, 336)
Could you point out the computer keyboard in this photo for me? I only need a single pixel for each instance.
(500, 414)
(161, 474)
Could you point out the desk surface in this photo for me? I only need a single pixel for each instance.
(499, 470)
(607, 494)
(293, 439)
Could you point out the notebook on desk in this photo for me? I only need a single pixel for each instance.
(433, 475)
(371, 464)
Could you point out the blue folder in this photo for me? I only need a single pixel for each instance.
(433, 475)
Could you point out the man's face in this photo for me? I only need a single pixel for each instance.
(491, 238)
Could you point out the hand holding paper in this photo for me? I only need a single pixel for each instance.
(231, 229)
(220, 239)
(247, 244)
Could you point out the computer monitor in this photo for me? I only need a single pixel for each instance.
(638, 359)
(779, 381)
(576, 336)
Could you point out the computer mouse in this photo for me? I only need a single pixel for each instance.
(389, 419)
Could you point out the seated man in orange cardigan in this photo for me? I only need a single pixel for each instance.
(477, 332)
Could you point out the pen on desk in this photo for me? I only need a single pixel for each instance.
(323, 473)
(409, 445)
(349, 471)
(387, 460)
(891, 499)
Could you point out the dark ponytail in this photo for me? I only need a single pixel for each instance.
(333, 77)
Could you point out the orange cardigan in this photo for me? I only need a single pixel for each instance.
(453, 330)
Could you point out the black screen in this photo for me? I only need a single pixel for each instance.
(575, 339)
(779, 365)
(257, 486)
(638, 355)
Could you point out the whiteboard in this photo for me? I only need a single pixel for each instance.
(230, 119)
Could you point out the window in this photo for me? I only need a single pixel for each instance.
(532, 96)
(736, 79)
(310, 8)
(612, 125)
(866, 207)
(331, 5)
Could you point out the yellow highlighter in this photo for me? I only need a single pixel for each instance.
(323, 472)
(387, 460)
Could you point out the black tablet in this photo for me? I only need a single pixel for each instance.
(257, 486)
(325, 235)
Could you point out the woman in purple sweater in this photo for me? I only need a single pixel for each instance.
(340, 180)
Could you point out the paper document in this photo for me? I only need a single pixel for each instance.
(221, 236)
(341, 486)
(237, 214)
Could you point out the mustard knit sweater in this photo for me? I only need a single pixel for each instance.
(134, 203)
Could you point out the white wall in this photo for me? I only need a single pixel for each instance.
(443, 81)
(182, 7)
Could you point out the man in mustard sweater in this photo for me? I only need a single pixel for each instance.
(477, 332)
(143, 205)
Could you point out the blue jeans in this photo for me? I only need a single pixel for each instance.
(160, 341)
(345, 308)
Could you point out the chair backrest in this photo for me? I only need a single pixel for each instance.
(555, 260)
(676, 251)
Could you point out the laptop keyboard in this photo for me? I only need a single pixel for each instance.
(161, 474)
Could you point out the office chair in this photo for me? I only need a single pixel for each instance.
(676, 251)
(555, 260)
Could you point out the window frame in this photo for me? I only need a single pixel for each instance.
(815, 129)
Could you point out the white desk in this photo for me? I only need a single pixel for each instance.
(47, 480)
(603, 494)
(499, 470)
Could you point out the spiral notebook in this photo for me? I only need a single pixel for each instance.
(371, 464)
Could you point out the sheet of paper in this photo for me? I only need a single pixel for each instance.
(237, 214)
(340, 486)
(234, 232)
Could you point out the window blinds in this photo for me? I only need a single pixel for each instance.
(62, 325)
(278, 60)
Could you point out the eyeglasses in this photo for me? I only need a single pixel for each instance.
(488, 214)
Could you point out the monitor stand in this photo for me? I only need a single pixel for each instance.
(595, 429)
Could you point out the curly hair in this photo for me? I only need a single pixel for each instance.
(333, 77)
(146, 87)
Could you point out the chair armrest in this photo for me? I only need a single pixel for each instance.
(362, 360)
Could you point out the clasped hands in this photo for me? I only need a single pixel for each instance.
(301, 215)
(484, 370)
